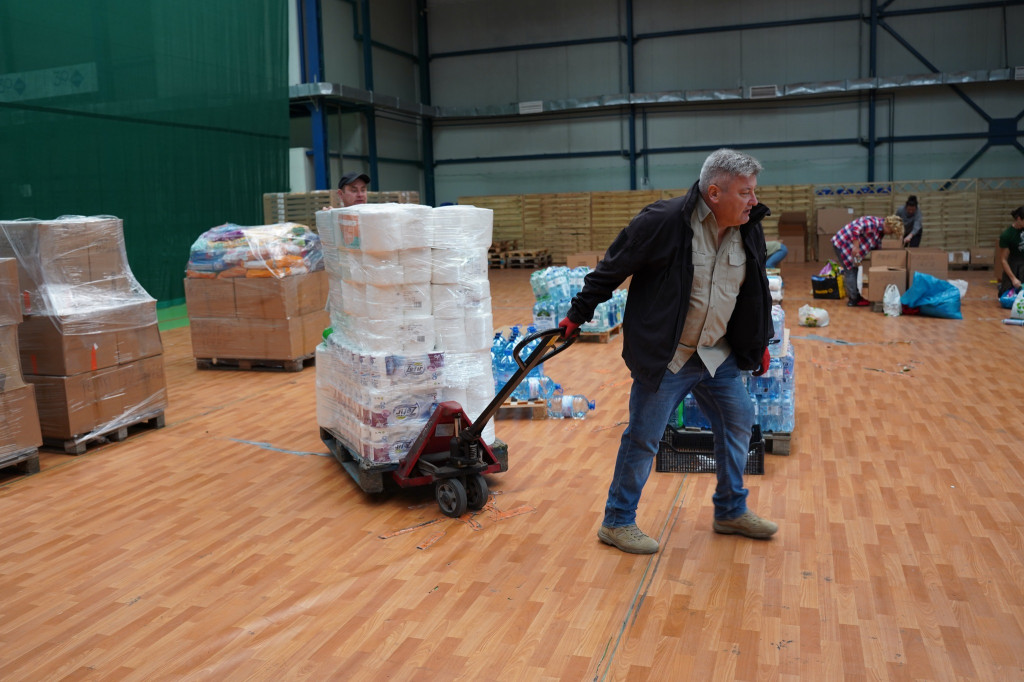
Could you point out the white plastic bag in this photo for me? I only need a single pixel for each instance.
(891, 305)
(810, 316)
(1017, 307)
(961, 286)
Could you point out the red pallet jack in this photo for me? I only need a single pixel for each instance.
(449, 453)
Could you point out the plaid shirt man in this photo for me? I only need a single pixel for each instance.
(866, 233)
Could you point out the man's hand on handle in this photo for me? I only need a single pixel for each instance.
(765, 361)
(569, 328)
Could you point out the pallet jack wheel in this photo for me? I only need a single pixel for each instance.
(476, 491)
(451, 497)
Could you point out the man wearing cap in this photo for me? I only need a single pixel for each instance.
(910, 214)
(1011, 252)
(352, 188)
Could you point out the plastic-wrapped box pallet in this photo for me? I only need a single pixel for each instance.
(256, 293)
(89, 341)
(410, 310)
(19, 419)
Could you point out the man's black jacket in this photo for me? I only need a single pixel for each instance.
(656, 249)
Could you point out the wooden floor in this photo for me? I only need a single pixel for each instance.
(230, 546)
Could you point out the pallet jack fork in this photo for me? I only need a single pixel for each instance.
(449, 453)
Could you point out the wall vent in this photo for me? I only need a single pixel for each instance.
(535, 107)
(762, 91)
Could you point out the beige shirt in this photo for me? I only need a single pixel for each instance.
(718, 273)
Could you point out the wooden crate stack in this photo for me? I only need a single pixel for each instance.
(556, 223)
(508, 215)
(612, 211)
(301, 207)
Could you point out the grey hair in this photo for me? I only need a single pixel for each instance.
(726, 162)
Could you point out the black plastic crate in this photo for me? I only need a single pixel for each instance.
(693, 452)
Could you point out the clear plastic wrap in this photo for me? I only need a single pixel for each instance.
(277, 250)
(74, 270)
(408, 289)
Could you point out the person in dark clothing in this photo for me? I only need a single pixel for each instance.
(911, 216)
(698, 315)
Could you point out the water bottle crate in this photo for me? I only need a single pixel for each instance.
(601, 337)
(523, 409)
(690, 451)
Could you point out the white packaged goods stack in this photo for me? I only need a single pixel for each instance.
(89, 340)
(411, 322)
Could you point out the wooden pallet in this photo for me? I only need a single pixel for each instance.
(529, 259)
(296, 365)
(518, 409)
(26, 461)
(777, 443)
(601, 337)
(79, 444)
(497, 260)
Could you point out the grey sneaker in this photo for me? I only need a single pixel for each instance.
(750, 524)
(629, 539)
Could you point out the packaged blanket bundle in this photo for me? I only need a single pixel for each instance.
(277, 250)
(411, 323)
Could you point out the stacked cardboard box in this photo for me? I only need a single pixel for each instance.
(19, 420)
(257, 318)
(89, 341)
(256, 293)
(793, 233)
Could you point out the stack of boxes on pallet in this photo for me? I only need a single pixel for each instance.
(89, 341)
(19, 422)
(411, 323)
(897, 266)
(256, 295)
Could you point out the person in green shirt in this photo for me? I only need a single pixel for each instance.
(1011, 252)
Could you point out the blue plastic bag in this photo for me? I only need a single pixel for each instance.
(935, 297)
(1006, 300)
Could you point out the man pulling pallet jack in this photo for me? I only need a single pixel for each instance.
(698, 315)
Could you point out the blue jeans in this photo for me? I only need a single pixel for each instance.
(777, 257)
(724, 401)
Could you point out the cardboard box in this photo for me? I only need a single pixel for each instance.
(210, 297)
(67, 405)
(46, 350)
(797, 253)
(10, 360)
(19, 421)
(258, 339)
(879, 277)
(584, 258)
(959, 258)
(984, 256)
(276, 298)
(832, 219)
(931, 261)
(10, 305)
(889, 258)
(77, 405)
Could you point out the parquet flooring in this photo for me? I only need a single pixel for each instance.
(230, 546)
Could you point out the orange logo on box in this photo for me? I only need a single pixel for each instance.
(349, 225)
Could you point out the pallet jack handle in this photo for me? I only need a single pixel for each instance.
(545, 350)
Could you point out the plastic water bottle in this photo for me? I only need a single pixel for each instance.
(576, 406)
(540, 388)
(539, 283)
(779, 331)
(537, 371)
(554, 401)
(544, 313)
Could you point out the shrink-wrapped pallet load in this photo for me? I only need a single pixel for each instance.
(256, 295)
(89, 341)
(411, 322)
(19, 419)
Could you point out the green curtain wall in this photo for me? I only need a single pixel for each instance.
(172, 116)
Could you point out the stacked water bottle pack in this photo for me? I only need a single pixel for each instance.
(772, 393)
(553, 289)
(536, 385)
(410, 311)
